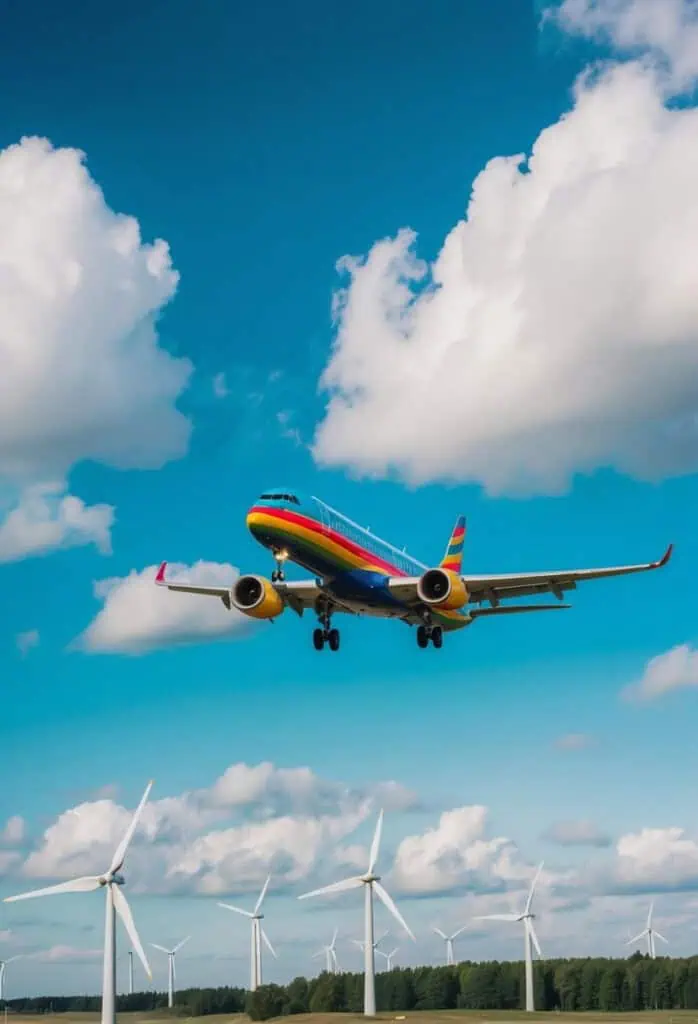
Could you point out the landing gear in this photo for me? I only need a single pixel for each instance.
(425, 633)
(278, 574)
(325, 632)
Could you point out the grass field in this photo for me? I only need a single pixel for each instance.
(422, 1017)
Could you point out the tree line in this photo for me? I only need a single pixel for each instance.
(606, 985)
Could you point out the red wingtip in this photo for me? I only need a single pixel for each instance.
(160, 578)
(666, 556)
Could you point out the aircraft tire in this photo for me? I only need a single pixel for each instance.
(333, 639)
(318, 639)
(422, 636)
(437, 636)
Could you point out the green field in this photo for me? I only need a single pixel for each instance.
(416, 1017)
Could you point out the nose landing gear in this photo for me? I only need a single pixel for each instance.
(426, 633)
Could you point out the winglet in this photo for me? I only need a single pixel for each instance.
(160, 577)
(665, 557)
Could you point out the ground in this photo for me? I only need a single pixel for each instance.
(424, 1017)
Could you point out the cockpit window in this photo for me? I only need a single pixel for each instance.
(280, 497)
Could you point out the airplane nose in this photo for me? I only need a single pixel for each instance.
(253, 521)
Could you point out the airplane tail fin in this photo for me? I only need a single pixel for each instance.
(453, 558)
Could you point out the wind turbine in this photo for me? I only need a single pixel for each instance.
(330, 954)
(371, 882)
(171, 972)
(376, 942)
(111, 882)
(3, 967)
(130, 972)
(448, 939)
(650, 932)
(256, 932)
(529, 936)
(388, 957)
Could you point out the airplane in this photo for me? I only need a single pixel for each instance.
(356, 572)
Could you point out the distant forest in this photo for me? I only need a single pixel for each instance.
(633, 984)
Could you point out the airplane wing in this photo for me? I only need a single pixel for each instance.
(506, 586)
(298, 594)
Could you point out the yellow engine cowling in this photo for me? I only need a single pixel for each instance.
(441, 588)
(256, 596)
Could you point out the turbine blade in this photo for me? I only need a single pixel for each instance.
(656, 934)
(177, 948)
(120, 854)
(649, 915)
(347, 883)
(388, 902)
(358, 942)
(268, 944)
(161, 948)
(124, 911)
(174, 971)
(373, 857)
(334, 938)
(636, 938)
(533, 886)
(497, 917)
(262, 894)
(238, 910)
(456, 934)
(86, 884)
(439, 932)
(532, 933)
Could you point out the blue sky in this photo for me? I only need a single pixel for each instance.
(263, 150)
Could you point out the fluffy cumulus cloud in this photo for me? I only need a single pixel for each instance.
(137, 616)
(456, 854)
(577, 833)
(655, 859)
(675, 669)
(253, 820)
(557, 329)
(46, 518)
(83, 375)
(14, 831)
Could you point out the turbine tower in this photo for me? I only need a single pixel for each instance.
(529, 936)
(650, 932)
(371, 882)
(258, 935)
(448, 939)
(388, 957)
(330, 954)
(3, 968)
(111, 881)
(171, 971)
(130, 972)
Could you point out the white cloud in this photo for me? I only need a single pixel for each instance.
(668, 29)
(83, 376)
(13, 832)
(577, 833)
(67, 954)
(673, 670)
(557, 330)
(575, 741)
(47, 519)
(27, 640)
(253, 820)
(137, 616)
(455, 854)
(656, 858)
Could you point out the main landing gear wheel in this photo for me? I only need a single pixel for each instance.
(427, 633)
(325, 633)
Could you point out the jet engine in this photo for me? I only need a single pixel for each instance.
(441, 588)
(256, 596)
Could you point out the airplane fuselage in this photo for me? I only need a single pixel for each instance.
(353, 564)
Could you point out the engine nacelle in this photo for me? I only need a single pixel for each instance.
(441, 588)
(256, 596)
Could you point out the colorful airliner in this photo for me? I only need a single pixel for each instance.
(357, 572)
